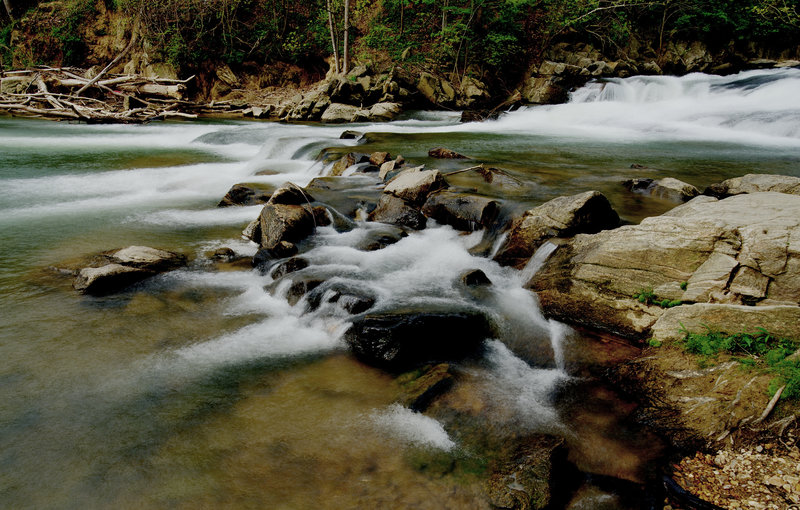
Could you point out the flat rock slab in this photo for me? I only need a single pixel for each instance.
(148, 258)
(415, 185)
(755, 183)
(108, 279)
(741, 250)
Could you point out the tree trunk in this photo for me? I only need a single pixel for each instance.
(345, 65)
(334, 41)
(402, 10)
(444, 16)
(7, 3)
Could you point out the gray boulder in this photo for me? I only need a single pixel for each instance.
(385, 111)
(280, 222)
(587, 212)
(741, 250)
(338, 113)
(755, 183)
(414, 185)
(126, 267)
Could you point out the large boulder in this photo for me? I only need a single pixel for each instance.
(587, 212)
(436, 90)
(741, 250)
(755, 183)
(281, 222)
(667, 188)
(385, 111)
(473, 92)
(462, 211)
(414, 185)
(339, 112)
(396, 211)
(405, 339)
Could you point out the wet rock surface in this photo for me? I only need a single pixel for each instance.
(244, 194)
(460, 210)
(402, 340)
(125, 267)
(755, 183)
(666, 188)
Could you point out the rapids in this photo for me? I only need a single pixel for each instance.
(206, 388)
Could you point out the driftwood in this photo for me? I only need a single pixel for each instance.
(64, 94)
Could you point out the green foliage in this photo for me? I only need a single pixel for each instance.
(655, 343)
(684, 285)
(68, 32)
(647, 296)
(761, 350)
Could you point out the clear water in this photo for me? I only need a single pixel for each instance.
(200, 389)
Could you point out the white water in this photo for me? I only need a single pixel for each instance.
(411, 427)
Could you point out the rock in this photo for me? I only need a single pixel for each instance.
(666, 188)
(290, 194)
(350, 135)
(338, 113)
(300, 288)
(461, 211)
(384, 111)
(386, 168)
(108, 279)
(377, 239)
(475, 278)
(226, 75)
(148, 258)
(379, 158)
(755, 183)
(442, 153)
(279, 222)
(779, 320)
(414, 185)
(343, 164)
(522, 474)
(402, 340)
(265, 256)
(587, 212)
(419, 390)
(651, 68)
(223, 254)
(253, 231)
(396, 211)
(242, 194)
(288, 266)
(436, 90)
(741, 250)
(544, 90)
(473, 91)
(15, 84)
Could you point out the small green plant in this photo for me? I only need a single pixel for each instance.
(760, 350)
(655, 343)
(684, 285)
(647, 296)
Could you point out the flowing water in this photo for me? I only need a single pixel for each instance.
(206, 388)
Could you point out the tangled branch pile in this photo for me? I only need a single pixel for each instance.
(64, 93)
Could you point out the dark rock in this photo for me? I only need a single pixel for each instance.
(253, 231)
(379, 239)
(420, 389)
(242, 194)
(396, 211)
(521, 476)
(463, 212)
(401, 340)
(355, 304)
(478, 115)
(300, 288)
(442, 153)
(290, 194)
(265, 256)
(587, 213)
(475, 278)
(281, 222)
(350, 135)
(289, 266)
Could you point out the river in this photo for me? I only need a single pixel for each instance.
(205, 388)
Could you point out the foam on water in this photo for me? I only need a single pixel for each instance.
(411, 427)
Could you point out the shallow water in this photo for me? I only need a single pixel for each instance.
(201, 389)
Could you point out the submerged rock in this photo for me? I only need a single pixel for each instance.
(442, 153)
(127, 266)
(741, 250)
(755, 183)
(420, 389)
(587, 212)
(401, 340)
